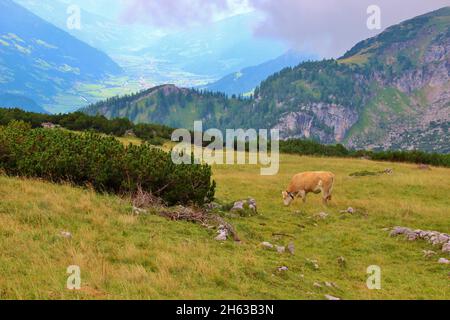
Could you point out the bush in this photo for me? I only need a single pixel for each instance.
(308, 147)
(102, 162)
(79, 121)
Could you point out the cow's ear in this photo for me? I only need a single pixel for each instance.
(284, 194)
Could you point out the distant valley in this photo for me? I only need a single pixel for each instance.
(38, 61)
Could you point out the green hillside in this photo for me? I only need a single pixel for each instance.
(124, 256)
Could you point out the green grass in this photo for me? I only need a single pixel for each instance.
(127, 257)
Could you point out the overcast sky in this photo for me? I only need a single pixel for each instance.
(325, 27)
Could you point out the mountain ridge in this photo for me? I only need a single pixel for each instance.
(244, 81)
(39, 60)
(387, 92)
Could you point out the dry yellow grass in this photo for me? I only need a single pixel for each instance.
(129, 257)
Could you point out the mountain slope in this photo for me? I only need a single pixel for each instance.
(99, 31)
(247, 79)
(388, 92)
(38, 60)
(8, 100)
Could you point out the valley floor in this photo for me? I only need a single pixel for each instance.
(122, 256)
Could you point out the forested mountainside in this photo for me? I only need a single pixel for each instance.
(244, 81)
(388, 92)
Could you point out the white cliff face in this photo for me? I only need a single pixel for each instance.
(328, 122)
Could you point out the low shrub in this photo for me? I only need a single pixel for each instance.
(102, 162)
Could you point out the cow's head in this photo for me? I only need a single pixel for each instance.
(287, 197)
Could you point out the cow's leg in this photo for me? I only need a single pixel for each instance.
(302, 194)
(326, 196)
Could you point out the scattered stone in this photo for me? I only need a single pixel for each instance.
(66, 234)
(281, 249)
(428, 253)
(138, 211)
(443, 261)
(331, 285)
(291, 248)
(283, 269)
(313, 264)
(223, 233)
(342, 262)
(245, 207)
(331, 298)
(349, 210)
(433, 237)
(317, 285)
(238, 206)
(321, 215)
(267, 245)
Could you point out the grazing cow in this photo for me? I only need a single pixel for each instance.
(304, 183)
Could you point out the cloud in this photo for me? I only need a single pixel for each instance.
(172, 13)
(330, 27)
(324, 27)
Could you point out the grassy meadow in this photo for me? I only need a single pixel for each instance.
(123, 256)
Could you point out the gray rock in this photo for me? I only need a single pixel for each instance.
(331, 298)
(342, 262)
(313, 264)
(321, 215)
(443, 261)
(428, 253)
(137, 211)
(239, 205)
(412, 236)
(291, 248)
(223, 233)
(283, 269)
(317, 285)
(281, 249)
(243, 205)
(446, 247)
(66, 234)
(399, 230)
(267, 245)
(350, 210)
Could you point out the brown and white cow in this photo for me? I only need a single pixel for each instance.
(307, 182)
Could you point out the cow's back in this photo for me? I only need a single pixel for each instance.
(310, 181)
